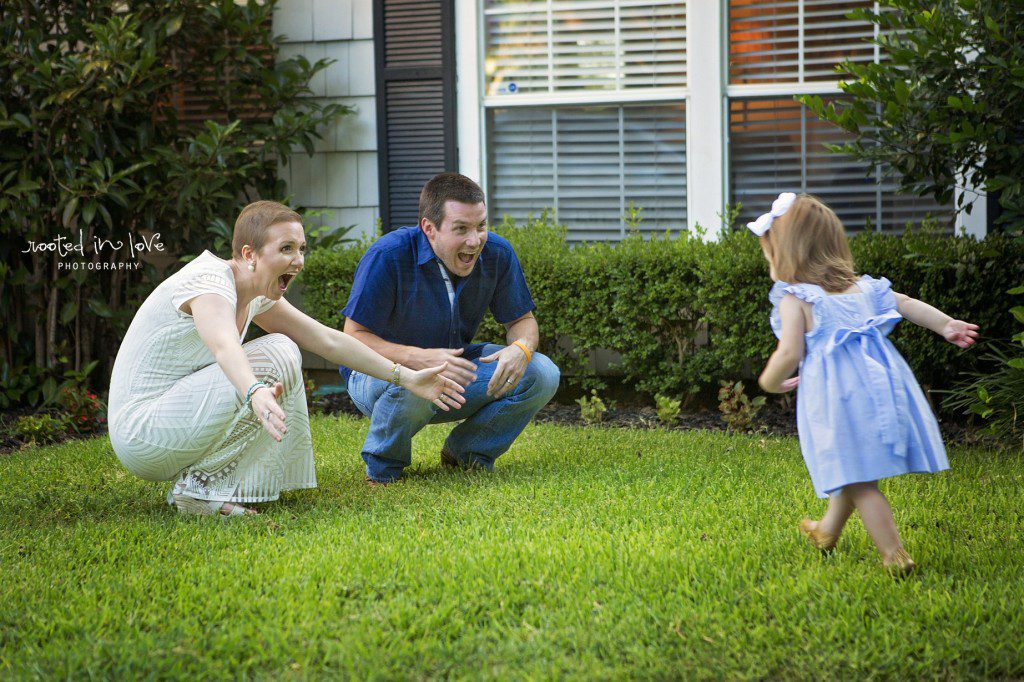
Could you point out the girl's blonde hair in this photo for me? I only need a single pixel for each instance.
(808, 244)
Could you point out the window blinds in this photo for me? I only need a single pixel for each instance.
(777, 145)
(795, 41)
(588, 164)
(547, 46)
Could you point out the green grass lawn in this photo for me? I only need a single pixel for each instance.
(588, 553)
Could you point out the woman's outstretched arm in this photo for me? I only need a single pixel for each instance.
(341, 349)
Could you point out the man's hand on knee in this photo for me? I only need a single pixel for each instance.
(511, 367)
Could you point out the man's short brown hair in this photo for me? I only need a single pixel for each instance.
(254, 221)
(447, 187)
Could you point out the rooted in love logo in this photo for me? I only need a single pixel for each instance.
(64, 247)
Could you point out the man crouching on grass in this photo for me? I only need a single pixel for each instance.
(419, 296)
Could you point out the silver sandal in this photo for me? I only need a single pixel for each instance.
(193, 506)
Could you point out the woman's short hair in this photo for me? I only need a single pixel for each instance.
(447, 187)
(808, 244)
(254, 221)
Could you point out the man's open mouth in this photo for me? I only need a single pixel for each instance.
(467, 258)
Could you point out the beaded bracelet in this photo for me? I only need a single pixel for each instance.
(529, 354)
(396, 376)
(252, 389)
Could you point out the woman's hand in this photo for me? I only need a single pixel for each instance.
(789, 384)
(960, 333)
(270, 414)
(431, 385)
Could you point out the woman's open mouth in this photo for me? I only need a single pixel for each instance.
(284, 280)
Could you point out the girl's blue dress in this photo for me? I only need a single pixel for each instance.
(860, 412)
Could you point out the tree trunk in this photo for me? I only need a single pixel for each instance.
(78, 327)
(51, 315)
(39, 319)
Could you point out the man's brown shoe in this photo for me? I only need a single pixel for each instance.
(373, 484)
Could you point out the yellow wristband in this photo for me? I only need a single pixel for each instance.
(529, 353)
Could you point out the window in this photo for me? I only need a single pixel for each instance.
(782, 48)
(585, 112)
(794, 41)
(588, 163)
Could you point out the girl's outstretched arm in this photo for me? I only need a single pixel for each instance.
(957, 332)
(786, 358)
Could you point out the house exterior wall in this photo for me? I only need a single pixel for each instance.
(341, 176)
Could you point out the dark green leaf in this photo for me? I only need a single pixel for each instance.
(49, 389)
(67, 312)
(69, 210)
(89, 211)
(100, 308)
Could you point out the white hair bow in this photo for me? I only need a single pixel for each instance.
(779, 207)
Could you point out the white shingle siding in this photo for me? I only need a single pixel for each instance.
(341, 176)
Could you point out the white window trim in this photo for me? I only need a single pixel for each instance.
(782, 89)
(975, 223)
(585, 98)
(706, 121)
(468, 86)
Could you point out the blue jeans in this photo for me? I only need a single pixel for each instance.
(490, 424)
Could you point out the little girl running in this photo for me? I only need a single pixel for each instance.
(861, 415)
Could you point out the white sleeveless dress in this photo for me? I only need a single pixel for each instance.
(174, 414)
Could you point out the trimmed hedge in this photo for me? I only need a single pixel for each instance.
(653, 300)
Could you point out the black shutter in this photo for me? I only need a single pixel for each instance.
(414, 41)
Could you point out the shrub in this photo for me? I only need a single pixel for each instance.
(39, 429)
(83, 409)
(961, 276)
(592, 408)
(668, 409)
(326, 280)
(737, 409)
(997, 395)
(653, 300)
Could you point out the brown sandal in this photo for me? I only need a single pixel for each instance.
(822, 541)
(899, 564)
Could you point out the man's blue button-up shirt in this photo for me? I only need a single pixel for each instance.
(400, 295)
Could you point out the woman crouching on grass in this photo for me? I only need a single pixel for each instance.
(226, 420)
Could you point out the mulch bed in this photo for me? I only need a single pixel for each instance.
(774, 419)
